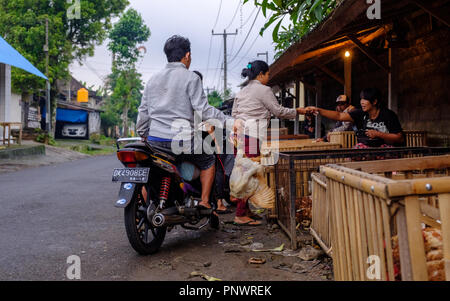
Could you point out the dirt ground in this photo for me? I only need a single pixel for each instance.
(225, 254)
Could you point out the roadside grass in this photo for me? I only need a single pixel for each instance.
(88, 147)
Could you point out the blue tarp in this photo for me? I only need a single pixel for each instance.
(10, 56)
(67, 115)
(74, 116)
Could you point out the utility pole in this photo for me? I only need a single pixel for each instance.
(266, 54)
(47, 103)
(225, 35)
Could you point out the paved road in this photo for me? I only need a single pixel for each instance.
(49, 213)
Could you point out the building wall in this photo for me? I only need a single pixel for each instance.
(15, 108)
(423, 84)
(421, 80)
(94, 123)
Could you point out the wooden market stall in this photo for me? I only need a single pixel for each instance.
(405, 54)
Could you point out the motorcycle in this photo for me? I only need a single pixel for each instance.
(158, 193)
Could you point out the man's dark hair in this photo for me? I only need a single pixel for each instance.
(199, 74)
(372, 94)
(254, 69)
(176, 48)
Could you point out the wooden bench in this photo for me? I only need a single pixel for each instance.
(7, 130)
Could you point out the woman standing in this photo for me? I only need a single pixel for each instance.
(254, 104)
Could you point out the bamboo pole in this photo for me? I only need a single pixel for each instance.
(444, 204)
(415, 237)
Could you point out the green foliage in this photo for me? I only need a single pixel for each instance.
(101, 140)
(302, 16)
(125, 83)
(46, 138)
(23, 26)
(125, 37)
(215, 99)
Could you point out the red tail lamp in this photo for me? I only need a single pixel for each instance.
(128, 157)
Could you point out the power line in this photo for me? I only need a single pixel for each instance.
(250, 48)
(248, 34)
(218, 63)
(225, 35)
(209, 56)
(235, 14)
(218, 14)
(232, 45)
(249, 17)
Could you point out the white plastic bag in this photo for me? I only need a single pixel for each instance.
(244, 177)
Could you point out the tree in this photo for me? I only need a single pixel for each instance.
(125, 82)
(215, 99)
(23, 26)
(303, 16)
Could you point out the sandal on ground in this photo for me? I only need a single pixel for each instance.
(255, 216)
(204, 210)
(249, 223)
(226, 211)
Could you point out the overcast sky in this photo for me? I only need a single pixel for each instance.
(193, 19)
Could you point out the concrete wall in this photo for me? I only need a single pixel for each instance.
(5, 92)
(16, 108)
(94, 123)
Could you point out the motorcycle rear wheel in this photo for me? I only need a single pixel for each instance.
(143, 237)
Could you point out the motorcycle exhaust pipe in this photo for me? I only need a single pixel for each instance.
(161, 220)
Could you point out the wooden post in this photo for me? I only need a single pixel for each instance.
(297, 105)
(348, 76)
(283, 93)
(318, 104)
(390, 80)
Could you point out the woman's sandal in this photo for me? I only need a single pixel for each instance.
(226, 211)
(255, 216)
(249, 223)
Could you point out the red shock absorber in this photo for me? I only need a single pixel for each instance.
(164, 191)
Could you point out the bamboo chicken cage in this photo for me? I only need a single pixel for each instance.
(293, 181)
(348, 139)
(345, 139)
(415, 138)
(269, 157)
(378, 211)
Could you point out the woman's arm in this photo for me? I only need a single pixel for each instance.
(389, 138)
(334, 115)
(271, 104)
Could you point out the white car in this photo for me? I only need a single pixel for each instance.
(74, 130)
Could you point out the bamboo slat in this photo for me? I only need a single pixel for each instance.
(444, 201)
(416, 244)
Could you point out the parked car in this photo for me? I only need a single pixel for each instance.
(74, 130)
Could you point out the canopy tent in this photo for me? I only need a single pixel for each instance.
(10, 56)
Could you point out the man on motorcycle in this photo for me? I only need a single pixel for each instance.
(174, 95)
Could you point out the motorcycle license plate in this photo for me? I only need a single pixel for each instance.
(131, 175)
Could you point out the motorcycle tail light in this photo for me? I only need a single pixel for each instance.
(141, 156)
(126, 157)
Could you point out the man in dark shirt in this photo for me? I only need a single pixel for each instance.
(376, 125)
